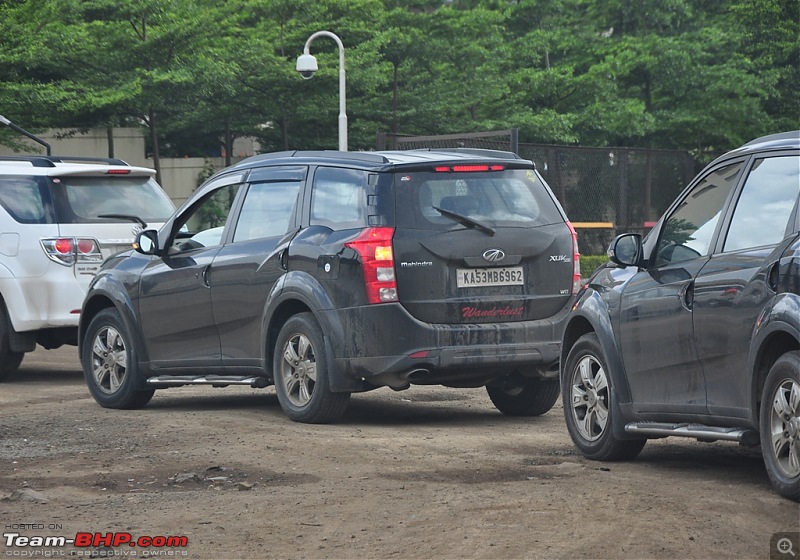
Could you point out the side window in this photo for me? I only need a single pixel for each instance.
(204, 224)
(765, 204)
(22, 197)
(339, 198)
(266, 211)
(688, 231)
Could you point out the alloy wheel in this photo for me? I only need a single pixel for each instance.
(109, 360)
(590, 398)
(299, 370)
(784, 420)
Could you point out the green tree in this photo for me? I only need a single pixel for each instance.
(693, 74)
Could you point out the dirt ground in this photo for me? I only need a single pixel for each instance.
(426, 473)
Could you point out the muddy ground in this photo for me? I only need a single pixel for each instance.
(426, 473)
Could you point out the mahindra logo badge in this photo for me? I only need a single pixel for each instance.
(136, 230)
(493, 255)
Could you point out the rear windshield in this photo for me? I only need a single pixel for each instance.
(509, 198)
(85, 199)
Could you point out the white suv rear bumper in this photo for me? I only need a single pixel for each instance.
(52, 300)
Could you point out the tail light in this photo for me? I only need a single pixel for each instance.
(374, 246)
(467, 168)
(71, 250)
(576, 261)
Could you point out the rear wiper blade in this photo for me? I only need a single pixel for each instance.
(467, 221)
(129, 217)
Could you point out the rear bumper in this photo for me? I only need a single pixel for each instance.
(49, 301)
(384, 345)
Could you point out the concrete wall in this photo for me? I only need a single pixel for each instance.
(179, 176)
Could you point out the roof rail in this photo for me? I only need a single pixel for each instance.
(50, 161)
(500, 154)
(35, 161)
(790, 135)
(371, 157)
(322, 154)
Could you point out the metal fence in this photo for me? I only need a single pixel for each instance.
(604, 191)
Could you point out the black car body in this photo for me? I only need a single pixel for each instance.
(695, 330)
(339, 272)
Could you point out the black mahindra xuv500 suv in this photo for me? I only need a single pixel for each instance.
(327, 273)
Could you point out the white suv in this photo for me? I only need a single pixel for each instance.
(60, 217)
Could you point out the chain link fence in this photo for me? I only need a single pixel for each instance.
(604, 191)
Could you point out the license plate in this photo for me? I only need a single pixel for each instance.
(477, 277)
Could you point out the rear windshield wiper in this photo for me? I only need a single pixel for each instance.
(129, 217)
(467, 221)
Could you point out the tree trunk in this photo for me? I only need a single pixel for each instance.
(394, 128)
(154, 141)
(110, 135)
(228, 144)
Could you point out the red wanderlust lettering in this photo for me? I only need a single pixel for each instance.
(507, 311)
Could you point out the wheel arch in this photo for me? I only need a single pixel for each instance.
(591, 315)
(774, 344)
(106, 295)
(299, 293)
(284, 310)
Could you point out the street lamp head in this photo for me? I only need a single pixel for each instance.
(307, 65)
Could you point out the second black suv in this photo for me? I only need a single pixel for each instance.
(327, 273)
(695, 329)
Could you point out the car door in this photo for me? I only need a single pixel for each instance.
(655, 323)
(174, 300)
(245, 270)
(737, 283)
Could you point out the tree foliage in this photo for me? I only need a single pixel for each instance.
(692, 74)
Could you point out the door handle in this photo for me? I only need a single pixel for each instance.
(687, 295)
(204, 276)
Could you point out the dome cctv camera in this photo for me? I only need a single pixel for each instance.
(307, 65)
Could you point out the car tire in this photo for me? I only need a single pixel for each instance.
(109, 364)
(519, 396)
(780, 425)
(586, 392)
(9, 361)
(300, 368)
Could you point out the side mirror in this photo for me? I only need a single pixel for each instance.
(146, 242)
(626, 249)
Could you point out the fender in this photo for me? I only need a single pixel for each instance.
(295, 292)
(597, 307)
(781, 317)
(11, 293)
(109, 291)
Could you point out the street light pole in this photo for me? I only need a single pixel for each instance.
(342, 101)
(24, 132)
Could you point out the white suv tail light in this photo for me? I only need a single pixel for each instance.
(72, 250)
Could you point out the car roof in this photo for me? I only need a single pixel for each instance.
(382, 160)
(781, 141)
(68, 165)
